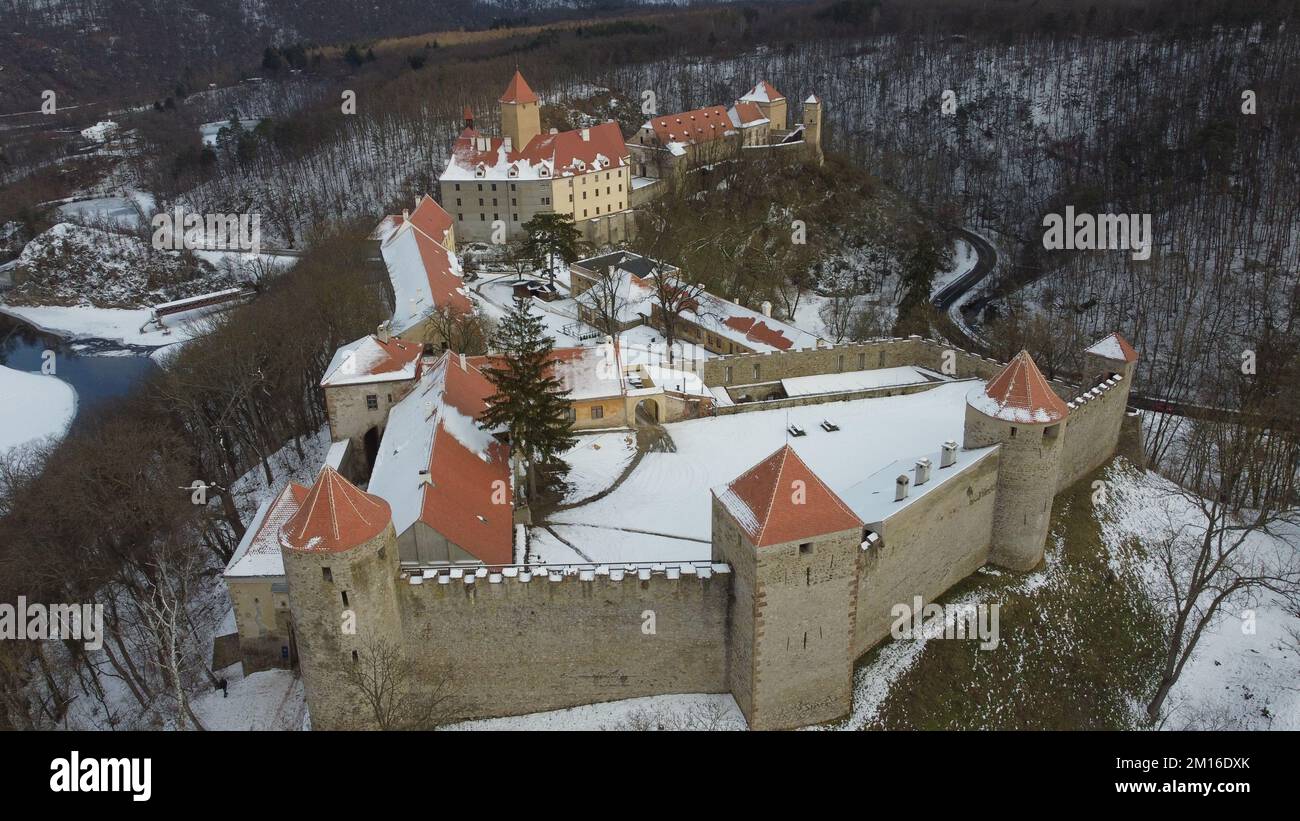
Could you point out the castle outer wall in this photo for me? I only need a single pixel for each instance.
(557, 641)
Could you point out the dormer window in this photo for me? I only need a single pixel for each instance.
(479, 172)
(544, 173)
(514, 171)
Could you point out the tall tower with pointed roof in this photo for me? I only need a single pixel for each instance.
(812, 125)
(520, 113)
(341, 564)
(1018, 410)
(793, 547)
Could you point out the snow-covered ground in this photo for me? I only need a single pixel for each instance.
(669, 493)
(594, 460)
(124, 326)
(964, 258)
(20, 394)
(1237, 678)
(688, 711)
(269, 700)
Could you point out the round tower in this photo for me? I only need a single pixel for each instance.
(341, 564)
(1018, 410)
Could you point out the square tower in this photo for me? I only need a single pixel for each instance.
(520, 114)
(793, 547)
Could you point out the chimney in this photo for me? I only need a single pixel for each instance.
(767, 308)
(948, 456)
(900, 487)
(508, 144)
(382, 332)
(922, 471)
(462, 362)
(586, 135)
(406, 215)
(417, 201)
(555, 130)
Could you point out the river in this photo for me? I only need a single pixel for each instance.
(98, 371)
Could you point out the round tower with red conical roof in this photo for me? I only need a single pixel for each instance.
(1019, 411)
(341, 564)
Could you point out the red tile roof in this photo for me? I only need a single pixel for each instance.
(518, 91)
(748, 112)
(371, 356)
(1104, 347)
(1021, 394)
(462, 501)
(567, 149)
(763, 93)
(698, 126)
(758, 331)
(335, 516)
(445, 285)
(781, 500)
(432, 219)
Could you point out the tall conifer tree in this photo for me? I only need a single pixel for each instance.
(530, 402)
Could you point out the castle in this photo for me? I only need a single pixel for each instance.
(801, 576)
(810, 543)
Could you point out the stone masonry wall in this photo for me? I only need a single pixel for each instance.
(529, 642)
(1092, 429)
(926, 548)
(881, 353)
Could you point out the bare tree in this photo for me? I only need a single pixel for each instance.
(399, 693)
(608, 299)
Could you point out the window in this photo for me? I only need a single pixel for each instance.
(805, 549)
(1051, 431)
(514, 202)
(862, 362)
(326, 574)
(458, 200)
(390, 399)
(1013, 433)
(728, 374)
(512, 187)
(584, 212)
(460, 217)
(480, 186)
(756, 372)
(354, 656)
(458, 188)
(597, 411)
(494, 202)
(480, 200)
(496, 217)
(839, 364)
(494, 186)
(584, 195)
(372, 402)
(482, 217)
(514, 217)
(344, 593)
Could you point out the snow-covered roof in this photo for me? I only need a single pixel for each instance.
(425, 276)
(1019, 394)
(753, 329)
(562, 154)
(1114, 347)
(853, 381)
(746, 115)
(873, 498)
(684, 128)
(436, 465)
(762, 93)
(258, 553)
(370, 359)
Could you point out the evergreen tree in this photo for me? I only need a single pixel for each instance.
(551, 235)
(530, 400)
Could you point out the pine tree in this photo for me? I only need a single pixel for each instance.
(551, 235)
(530, 400)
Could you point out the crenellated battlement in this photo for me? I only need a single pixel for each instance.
(555, 573)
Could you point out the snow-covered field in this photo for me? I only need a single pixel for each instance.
(594, 460)
(124, 326)
(688, 711)
(20, 392)
(669, 493)
(1238, 678)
